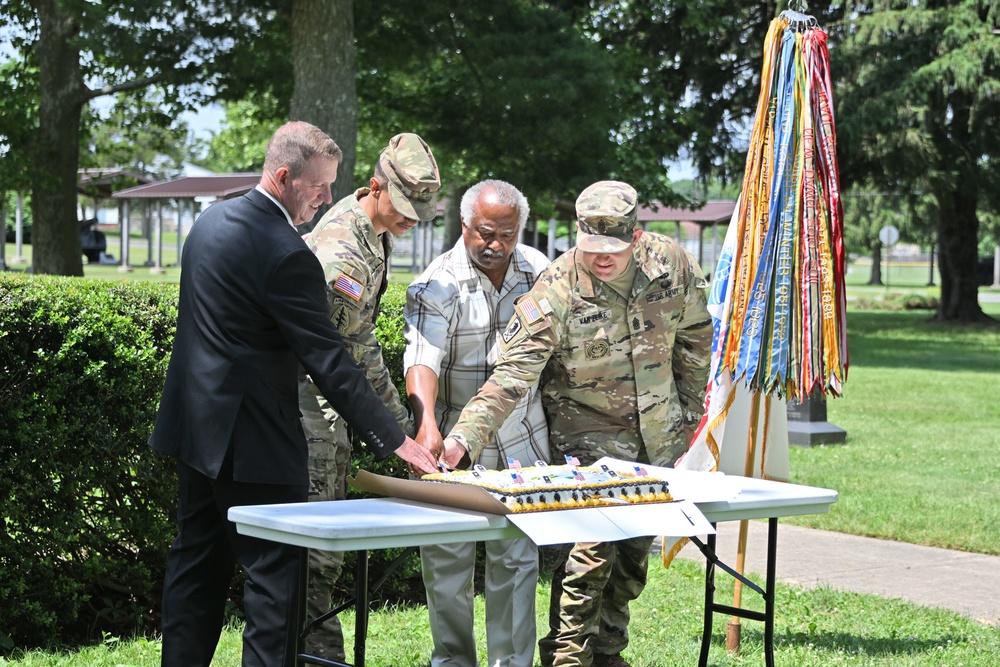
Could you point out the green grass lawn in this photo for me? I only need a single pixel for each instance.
(814, 628)
(922, 459)
(921, 464)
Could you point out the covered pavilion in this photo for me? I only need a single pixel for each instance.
(712, 214)
(186, 192)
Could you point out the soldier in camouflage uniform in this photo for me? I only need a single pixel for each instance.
(353, 242)
(619, 325)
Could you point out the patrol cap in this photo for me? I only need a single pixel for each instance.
(606, 213)
(412, 175)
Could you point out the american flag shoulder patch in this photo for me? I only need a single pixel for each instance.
(528, 309)
(349, 286)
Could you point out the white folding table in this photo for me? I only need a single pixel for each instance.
(379, 523)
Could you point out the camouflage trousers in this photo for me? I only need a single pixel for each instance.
(329, 463)
(592, 586)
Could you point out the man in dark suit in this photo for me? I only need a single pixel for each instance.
(252, 307)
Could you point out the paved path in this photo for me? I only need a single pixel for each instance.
(966, 583)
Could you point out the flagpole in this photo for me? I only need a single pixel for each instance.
(734, 628)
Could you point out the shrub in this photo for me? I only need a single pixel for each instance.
(406, 585)
(895, 302)
(87, 505)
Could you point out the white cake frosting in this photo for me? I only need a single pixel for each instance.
(548, 487)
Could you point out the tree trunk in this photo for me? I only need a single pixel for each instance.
(958, 263)
(3, 230)
(55, 234)
(452, 216)
(875, 277)
(957, 199)
(323, 64)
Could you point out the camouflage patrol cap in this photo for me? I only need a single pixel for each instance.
(412, 175)
(606, 213)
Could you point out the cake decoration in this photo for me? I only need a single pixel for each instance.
(549, 487)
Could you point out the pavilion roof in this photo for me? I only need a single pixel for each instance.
(189, 187)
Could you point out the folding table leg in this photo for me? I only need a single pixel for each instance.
(711, 607)
(706, 633)
(772, 559)
(304, 624)
(299, 622)
(361, 609)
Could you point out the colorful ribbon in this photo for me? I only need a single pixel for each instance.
(784, 330)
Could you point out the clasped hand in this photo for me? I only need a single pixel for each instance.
(431, 457)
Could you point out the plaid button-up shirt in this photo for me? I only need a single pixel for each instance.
(454, 318)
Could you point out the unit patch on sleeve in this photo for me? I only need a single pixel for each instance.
(512, 329)
(349, 286)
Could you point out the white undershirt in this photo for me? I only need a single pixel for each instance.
(283, 209)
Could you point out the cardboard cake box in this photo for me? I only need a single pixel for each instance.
(679, 518)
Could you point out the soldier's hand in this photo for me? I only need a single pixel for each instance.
(453, 452)
(420, 459)
(432, 439)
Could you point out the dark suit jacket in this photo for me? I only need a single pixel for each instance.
(252, 306)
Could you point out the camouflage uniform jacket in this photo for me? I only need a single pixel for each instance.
(622, 379)
(355, 263)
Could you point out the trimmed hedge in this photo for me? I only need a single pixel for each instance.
(88, 506)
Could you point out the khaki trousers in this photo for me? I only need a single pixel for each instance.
(511, 578)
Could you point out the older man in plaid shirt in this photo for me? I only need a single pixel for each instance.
(455, 312)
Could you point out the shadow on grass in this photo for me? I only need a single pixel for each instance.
(910, 340)
(843, 641)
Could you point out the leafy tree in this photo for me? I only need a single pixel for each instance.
(246, 128)
(296, 61)
(507, 89)
(691, 76)
(17, 115)
(918, 110)
(865, 214)
(70, 52)
(136, 133)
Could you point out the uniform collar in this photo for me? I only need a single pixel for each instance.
(377, 243)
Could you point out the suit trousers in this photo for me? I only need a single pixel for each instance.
(511, 577)
(200, 568)
(329, 462)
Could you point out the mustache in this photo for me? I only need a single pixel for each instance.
(491, 254)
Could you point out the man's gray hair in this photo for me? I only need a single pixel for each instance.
(506, 193)
(294, 144)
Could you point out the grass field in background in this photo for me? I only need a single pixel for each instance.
(921, 464)
(922, 459)
(814, 628)
(907, 277)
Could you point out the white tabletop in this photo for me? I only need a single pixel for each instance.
(378, 523)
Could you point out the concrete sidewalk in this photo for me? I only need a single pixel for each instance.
(966, 583)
